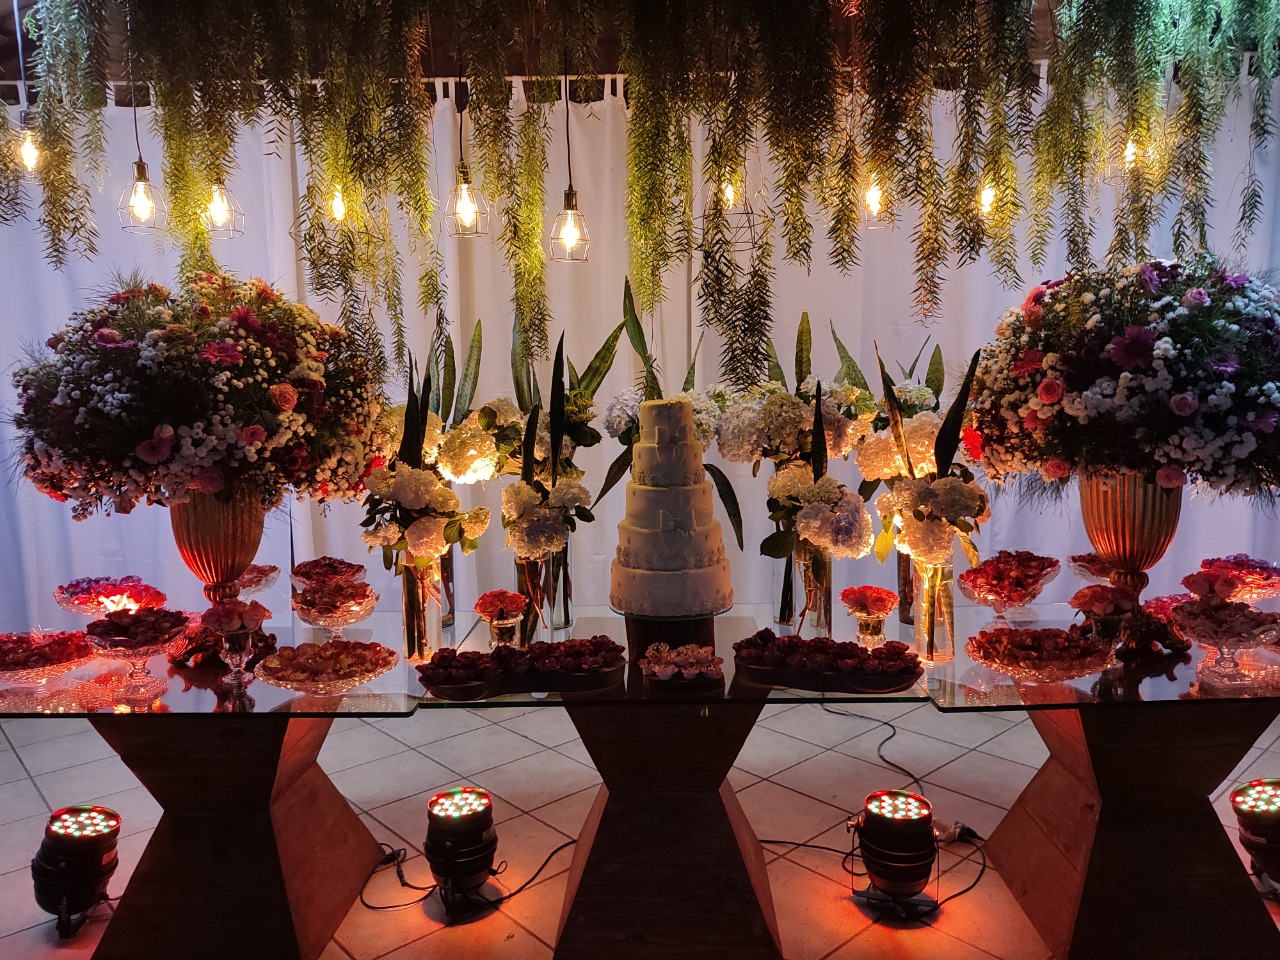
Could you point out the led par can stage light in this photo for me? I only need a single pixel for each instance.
(1257, 807)
(461, 842)
(74, 863)
(895, 836)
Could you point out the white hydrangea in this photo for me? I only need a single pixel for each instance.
(383, 536)
(706, 415)
(537, 534)
(567, 494)
(412, 488)
(926, 541)
(519, 500)
(425, 537)
(475, 523)
(623, 411)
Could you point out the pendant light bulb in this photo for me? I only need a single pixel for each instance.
(223, 217)
(987, 200)
(729, 193)
(569, 238)
(219, 211)
(140, 206)
(29, 152)
(1130, 155)
(468, 212)
(875, 198)
(338, 206)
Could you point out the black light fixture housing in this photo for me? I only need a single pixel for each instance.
(896, 839)
(1257, 807)
(75, 862)
(460, 846)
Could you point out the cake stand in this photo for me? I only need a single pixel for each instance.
(643, 632)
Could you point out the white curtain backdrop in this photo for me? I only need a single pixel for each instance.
(871, 304)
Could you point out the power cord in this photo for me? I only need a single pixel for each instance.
(395, 857)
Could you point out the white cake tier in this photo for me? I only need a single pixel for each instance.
(671, 593)
(664, 508)
(671, 549)
(666, 421)
(675, 464)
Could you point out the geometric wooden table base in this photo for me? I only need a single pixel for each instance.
(257, 854)
(1114, 849)
(667, 866)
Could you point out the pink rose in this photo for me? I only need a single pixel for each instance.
(284, 396)
(208, 480)
(1195, 298)
(1050, 391)
(1171, 478)
(1055, 469)
(106, 337)
(1209, 584)
(1033, 307)
(235, 616)
(1103, 601)
(251, 435)
(1184, 404)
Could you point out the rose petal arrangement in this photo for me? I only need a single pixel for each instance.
(137, 629)
(1255, 579)
(1165, 369)
(326, 662)
(334, 597)
(152, 396)
(1037, 647)
(1010, 578)
(326, 570)
(32, 651)
(93, 596)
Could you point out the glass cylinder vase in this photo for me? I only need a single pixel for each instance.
(871, 630)
(421, 595)
(787, 590)
(814, 567)
(560, 591)
(933, 611)
(446, 588)
(906, 591)
(532, 576)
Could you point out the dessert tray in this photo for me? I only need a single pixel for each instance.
(326, 669)
(824, 666)
(1045, 655)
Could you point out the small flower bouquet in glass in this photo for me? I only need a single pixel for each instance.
(1009, 580)
(502, 610)
(871, 605)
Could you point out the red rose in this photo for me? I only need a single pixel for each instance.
(284, 396)
(1050, 391)
(1055, 469)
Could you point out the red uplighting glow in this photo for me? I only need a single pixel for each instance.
(83, 822)
(459, 802)
(98, 596)
(898, 805)
(1257, 796)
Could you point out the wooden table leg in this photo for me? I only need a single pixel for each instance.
(1114, 850)
(667, 866)
(256, 854)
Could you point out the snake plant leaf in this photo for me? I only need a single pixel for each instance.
(529, 444)
(617, 470)
(818, 456)
(849, 372)
(556, 411)
(948, 441)
(635, 333)
(728, 498)
(690, 377)
(521, 370)
(470, 375)
(600, 365)
(894, 408)
(804, 350)
(936, 378)
(776, 373)
(448, 377)
(433, 400)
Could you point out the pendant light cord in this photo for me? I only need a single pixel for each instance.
(568, 147)
(128, 66)
(460, 107)
(22, 60)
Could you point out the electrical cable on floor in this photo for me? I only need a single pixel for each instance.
(396, 857)
(893, 732)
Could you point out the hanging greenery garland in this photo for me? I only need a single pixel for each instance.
(841, 94)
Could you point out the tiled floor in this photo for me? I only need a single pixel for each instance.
(802, 769)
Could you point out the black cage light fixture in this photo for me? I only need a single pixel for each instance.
(75, 862)
(28, 152)
(141, 207)
(468, 211)
(460, 845)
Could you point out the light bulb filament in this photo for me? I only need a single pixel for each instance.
(338, 206)
(465, 209)
(28, 151)
(729, 192)
(987, 200)
(219, 209)
(1130, 155)
(875, 198)
(569, 233)
(141, 205)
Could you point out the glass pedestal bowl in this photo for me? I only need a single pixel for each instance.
(1008, 599)
(336, 619)
(1227, 627)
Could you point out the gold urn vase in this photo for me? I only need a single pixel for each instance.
(1130, 522)
(218, 539)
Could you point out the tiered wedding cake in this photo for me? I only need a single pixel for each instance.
(671, 560)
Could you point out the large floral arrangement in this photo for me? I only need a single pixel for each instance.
(153, 396)
(1171, 371)
(822, 512)
(538, 519)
